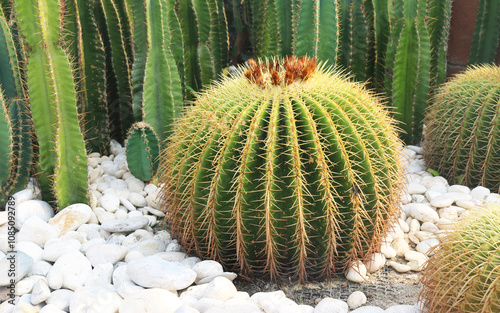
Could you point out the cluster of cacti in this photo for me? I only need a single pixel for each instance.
(486, 33)
(302, 28)
(282, 169)
(62, 171)
(463, 275)
(461, 139)
(399, 47)
(143, 147)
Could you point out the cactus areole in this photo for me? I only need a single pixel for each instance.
(285, 169)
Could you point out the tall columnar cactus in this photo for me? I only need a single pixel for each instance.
(464, 273)
(62, 155)
(115, 32)
(143, 148)
(357, 53)
(204, 37)
(162, 90)
(10, 74)
(462, 140)
(6, 142)
(408, 61)
(303, 28)
(17, 147)
(487, 33)
(282, 169)
(83, 43)
(438, 22)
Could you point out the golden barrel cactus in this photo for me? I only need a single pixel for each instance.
(283, 169)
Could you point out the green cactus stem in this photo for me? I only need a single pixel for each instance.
(6, 142)
(486, 33)
(62, 154)
(438, 21)
(281, 170)
(83, 43)
(113, 28)
(463, 274)
(140, 34)
(408, 68)
(20, 155)
(162, 85)
(357, 53)
(10, 76)
(461, 136)
(142, 146)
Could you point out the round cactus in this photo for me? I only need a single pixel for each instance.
(282, 169)
(464, 273)
(142, 146)
(462, 134)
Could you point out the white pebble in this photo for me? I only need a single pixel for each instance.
(356, 272)
(401, 268)
(480, 193)
(329, 305)
(356, 299)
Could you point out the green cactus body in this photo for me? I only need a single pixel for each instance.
(176, 44)
(462, 128)
(487, 33)
(140, 53)
(408, 68)
(282, 170)
(142, 147)
(20, 155)
(162, 84)
(5, 142)
(439, 15)
(10, 76)
(119, 68)
(382, 26)
(265, 28)
(189, 29)
(63, 159)
(356, 55)
(463, 274)
(83, 44)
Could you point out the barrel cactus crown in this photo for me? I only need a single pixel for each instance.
(462, 134)
(284, 169)
(464, 273)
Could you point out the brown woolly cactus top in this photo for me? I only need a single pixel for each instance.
(277, 73)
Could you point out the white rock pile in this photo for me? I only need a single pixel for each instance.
(106, 257)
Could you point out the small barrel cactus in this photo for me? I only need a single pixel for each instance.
(462, 138)
(283, 169)
(464, 273)
(142, 146)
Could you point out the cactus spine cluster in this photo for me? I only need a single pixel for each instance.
(143, 148)
(283, 169)
(461, 139)
(49, 77)
(464, 273)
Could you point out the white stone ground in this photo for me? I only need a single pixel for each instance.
(106, 257)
